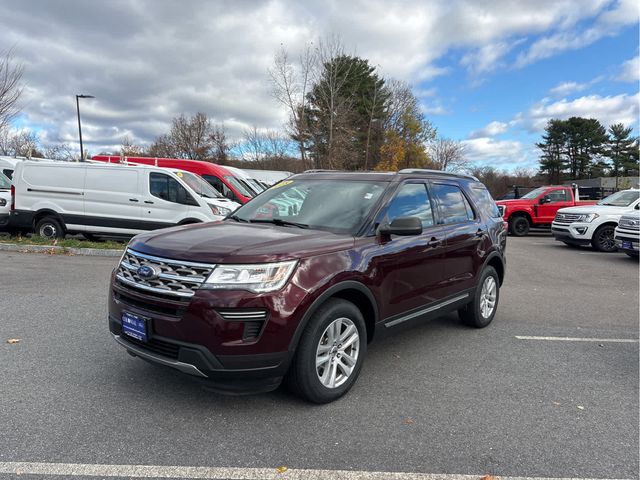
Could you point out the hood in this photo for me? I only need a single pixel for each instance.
(231, 242)
(601, 210)
(514, 201)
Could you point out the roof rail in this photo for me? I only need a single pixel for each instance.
(316, 170)
(437, 172)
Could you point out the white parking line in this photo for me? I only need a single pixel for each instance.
(220, 473)
(578, 339)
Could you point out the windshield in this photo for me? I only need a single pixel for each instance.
(5, 183)
(255, 185)
(239, 186)
(338, 206)
(534, 193)
(621, 199)
(198, 185)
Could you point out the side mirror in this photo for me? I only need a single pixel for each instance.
(545, 199)
(404, 226)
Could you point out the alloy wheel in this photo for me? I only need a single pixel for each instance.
(488, 297)
(337, 352)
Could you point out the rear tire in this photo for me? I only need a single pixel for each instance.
(603, 240)
(320, 371)
(49, 227)
(519, 226)
(480, 311)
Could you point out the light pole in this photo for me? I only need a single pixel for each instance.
(78, 97)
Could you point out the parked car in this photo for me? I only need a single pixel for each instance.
(537, 208)
(220, 205)
(249, 182)
(268, 177)
(5, 202)
(224, 181)
(53, 199)
(245, 302)
(594, 224)
(627, 234)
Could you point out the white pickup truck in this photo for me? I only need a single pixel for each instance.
(595, 224)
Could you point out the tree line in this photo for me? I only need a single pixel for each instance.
(580, 147)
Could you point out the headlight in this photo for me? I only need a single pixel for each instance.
(258, 278)
(3, 202)
(588, 218)
(220, 210)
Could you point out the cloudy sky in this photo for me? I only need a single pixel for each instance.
(489, 73)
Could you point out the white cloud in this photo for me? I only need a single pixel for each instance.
(491, 130)
(498, 153)
(630, 71)
(565, 88)
(609, 23)
(621, 108)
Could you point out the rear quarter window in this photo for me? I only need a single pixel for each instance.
(483, 200)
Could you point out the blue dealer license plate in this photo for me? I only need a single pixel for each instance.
(627, 245)
(134, 326)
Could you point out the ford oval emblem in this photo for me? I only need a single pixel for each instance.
(147, 272)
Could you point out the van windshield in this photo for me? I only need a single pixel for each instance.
(5, 183)
(338, 206)
(239, 186)
(198, 185)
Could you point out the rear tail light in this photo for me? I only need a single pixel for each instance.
(13, 198)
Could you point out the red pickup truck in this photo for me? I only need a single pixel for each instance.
(537, 208)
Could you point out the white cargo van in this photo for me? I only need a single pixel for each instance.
(8, 164)
(52, 199)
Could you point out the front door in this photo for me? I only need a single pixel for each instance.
(166, 203)
(558, 198)
(410, 269)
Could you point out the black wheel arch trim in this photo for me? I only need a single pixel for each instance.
(322, 298)
(490, 257)
(46, 212)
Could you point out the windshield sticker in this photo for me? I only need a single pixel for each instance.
(179, 174)
(282, 184)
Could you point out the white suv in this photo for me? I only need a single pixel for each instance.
(627, 234)
(594, 224)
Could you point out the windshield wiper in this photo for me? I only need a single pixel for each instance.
(237, 218)
(280, 222)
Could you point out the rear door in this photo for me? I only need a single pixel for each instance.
(464, 233)
(166, 201)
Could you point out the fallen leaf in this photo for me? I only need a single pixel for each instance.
(409, 421)
(11, 341)
(488, 477)
(580, 407)
(281, 469)
(396, 355)
(556, 403)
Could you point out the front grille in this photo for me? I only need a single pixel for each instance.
(171, 278)
(154, 345)
(567, 217)
(629, 223)
(501, 210)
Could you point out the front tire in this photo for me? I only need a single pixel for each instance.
(519, 226)
(603, 240)
(330, 354)
(480, 311)
(50, 228)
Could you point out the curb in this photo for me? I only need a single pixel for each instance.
(96, 252)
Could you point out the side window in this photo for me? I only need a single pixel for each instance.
(8, 173)
(167, 188)
(559, 196)
(454, 207)
(483, 200)
(412, 200)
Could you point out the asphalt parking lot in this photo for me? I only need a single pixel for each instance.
(440, 398)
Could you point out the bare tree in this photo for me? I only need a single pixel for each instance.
(130, 149)
(290, 87)
(21, 143)
(447, 154)
(10, 87)
(61, 151)
(253, 147)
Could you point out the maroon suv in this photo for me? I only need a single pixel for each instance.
(299, 280)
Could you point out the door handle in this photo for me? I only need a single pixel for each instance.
(133, 200)
(434, 242)
(149, 202)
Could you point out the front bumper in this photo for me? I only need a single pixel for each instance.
(193, 337)
(631, 242)
(575, 233)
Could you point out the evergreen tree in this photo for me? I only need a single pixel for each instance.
(552, 161)
(622, 150)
